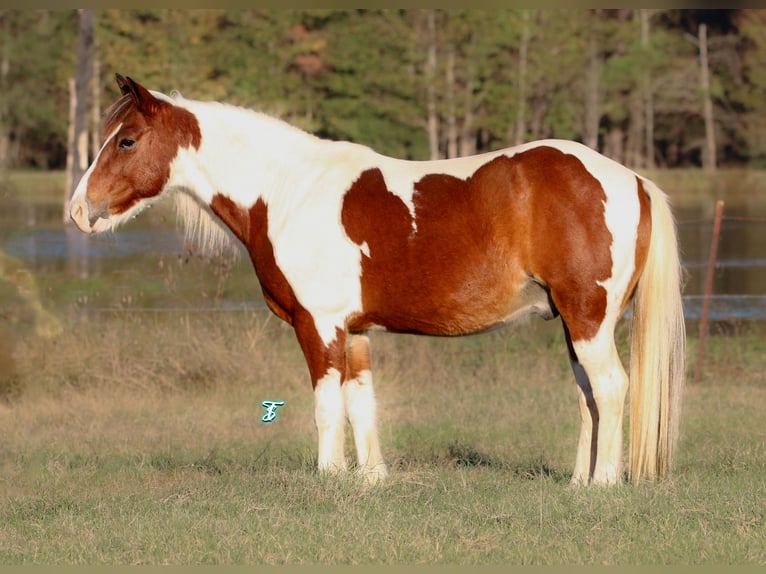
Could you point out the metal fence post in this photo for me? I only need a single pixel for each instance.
(703, 327)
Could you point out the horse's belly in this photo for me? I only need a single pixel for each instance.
(430, 312)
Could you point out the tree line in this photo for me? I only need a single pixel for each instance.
(650, 88)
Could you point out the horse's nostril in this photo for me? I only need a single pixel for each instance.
(78, 211)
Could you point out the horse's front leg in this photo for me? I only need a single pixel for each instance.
(361, 409)
(326, 363)
(329, 416)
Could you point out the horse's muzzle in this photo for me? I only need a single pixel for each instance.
(83, 216)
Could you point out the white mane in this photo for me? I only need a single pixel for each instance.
(203, 230)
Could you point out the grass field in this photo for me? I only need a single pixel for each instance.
(135, 439)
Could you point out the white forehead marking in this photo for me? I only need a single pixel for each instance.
(82, 187)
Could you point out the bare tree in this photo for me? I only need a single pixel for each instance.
(95, 119)
(521, 94)
(709, 152)
(5, 67)
(647, 91)
(452, 136)
(468, 132)
(430, 72)
(592, 87)
(77, 160)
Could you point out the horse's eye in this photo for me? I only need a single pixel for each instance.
(127, 143)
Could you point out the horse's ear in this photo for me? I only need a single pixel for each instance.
(122, 83)
(143, 99)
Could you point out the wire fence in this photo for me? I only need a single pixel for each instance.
(48, 244)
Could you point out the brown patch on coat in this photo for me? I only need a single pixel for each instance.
(536, 218)
(251, 228)
(643, 239)
(122, 177)
(357, 356)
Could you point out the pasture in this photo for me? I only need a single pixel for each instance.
(135, 438)
(134, 435)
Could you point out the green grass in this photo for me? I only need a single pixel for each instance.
(29, 186)
(135, 439)
(231, 514)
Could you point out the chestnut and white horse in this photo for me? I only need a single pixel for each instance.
(344, 240)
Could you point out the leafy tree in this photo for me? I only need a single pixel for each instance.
(37, 57)
(253, 60)
(476, 60)
(753, 86)
(478, 80)
(369, 91)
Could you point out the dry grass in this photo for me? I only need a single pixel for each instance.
(135, 439)
(184, 378)
(123, 381)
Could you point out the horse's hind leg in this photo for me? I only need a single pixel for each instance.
(586, 445)
(359, 399)
(602, 384)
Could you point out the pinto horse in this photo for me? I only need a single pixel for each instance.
(344, 240)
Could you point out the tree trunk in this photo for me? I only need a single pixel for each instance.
(521, 93)
(451, 119)
(709, 152)
(634, 153)
(614, 144)
(69, 186)
(78, 145)
(467, 134)
(433, 118)
(592, 100)
(5, 69)
(539, 110)
(95, 118)
(648, 98)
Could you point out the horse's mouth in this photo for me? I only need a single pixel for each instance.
(87, 222)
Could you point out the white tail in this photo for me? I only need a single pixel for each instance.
(658, 348)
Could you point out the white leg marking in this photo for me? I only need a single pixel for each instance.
(330, 420)
(585, 452)
(361, 410)
(609, 383)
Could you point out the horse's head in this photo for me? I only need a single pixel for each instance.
(144, 132)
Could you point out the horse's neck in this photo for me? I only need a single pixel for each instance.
(244, 155)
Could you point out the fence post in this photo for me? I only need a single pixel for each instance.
(703, 327)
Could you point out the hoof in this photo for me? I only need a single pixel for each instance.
(374, 475)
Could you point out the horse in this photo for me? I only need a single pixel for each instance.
(344, 241)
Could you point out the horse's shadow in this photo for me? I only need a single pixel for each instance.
(460, 454)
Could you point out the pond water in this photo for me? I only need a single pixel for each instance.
(150, 251)
(739, 280)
